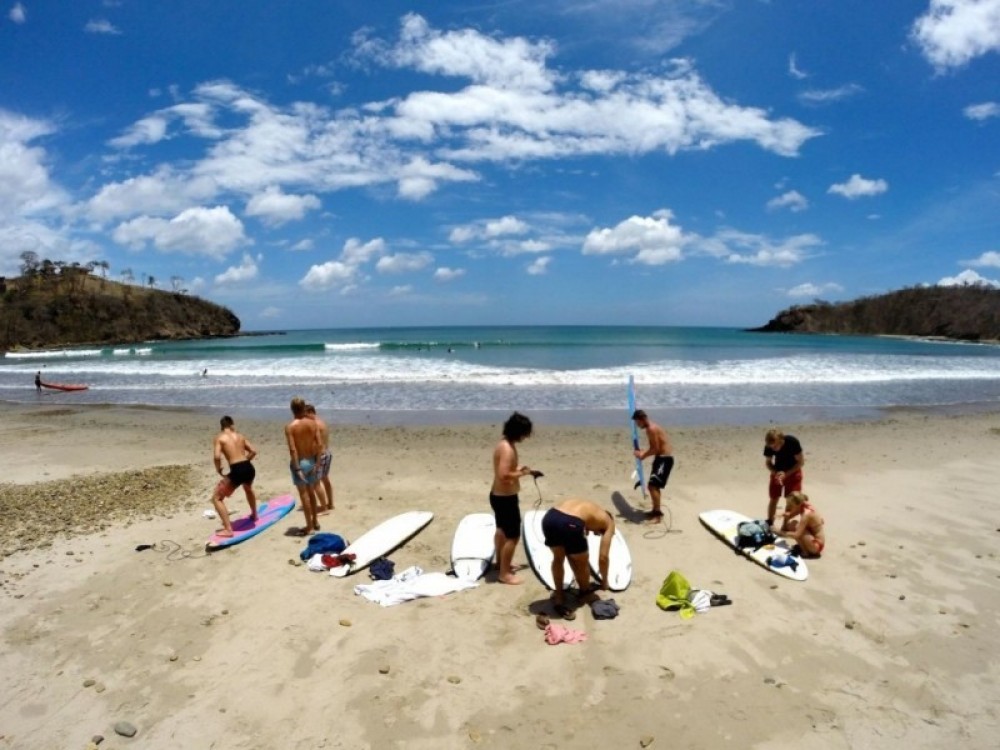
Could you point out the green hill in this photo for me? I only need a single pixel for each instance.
(968, 313)
(74, 307)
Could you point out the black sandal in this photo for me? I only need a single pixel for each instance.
(565, 612)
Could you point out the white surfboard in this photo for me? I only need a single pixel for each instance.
(473, 546)
(723, 523)
(539, 556)
(382, 540)
(619, 562)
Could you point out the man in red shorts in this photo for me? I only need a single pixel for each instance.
(784, 460)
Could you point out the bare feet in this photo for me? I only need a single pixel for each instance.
(654, 516)
(510, 579)
(224, 534)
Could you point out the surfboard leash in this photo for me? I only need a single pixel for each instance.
(173, 550)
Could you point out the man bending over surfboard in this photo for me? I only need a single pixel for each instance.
(304, 447)
(565, 527)
(663, 461)
(504, 494)
(238, 453)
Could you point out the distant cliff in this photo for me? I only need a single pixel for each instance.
(77, 308)
(968, 313)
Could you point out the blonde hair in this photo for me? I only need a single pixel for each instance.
(773, 436)
(796, 498)
(298, 406)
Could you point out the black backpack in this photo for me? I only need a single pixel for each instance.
(753, 535)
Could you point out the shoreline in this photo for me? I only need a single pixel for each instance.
(890, 642)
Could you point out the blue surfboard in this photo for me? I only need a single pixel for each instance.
(635, 435)
(268, 514)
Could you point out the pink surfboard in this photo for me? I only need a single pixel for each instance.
(268, 514)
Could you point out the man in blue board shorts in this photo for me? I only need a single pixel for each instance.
(238, 453)
(304, 446)
(504, 499)
(663, 461)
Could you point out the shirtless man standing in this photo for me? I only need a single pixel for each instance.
(565, 528)
(504, 499)
(663, 460)
(304, 447)
(325, 460)
(238, 453)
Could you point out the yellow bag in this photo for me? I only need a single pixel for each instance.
(674, 595)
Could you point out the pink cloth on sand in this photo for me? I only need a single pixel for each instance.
(561, 634)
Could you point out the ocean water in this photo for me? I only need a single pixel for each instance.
(569, 374)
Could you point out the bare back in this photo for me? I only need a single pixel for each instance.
(659, 443)
(324, 433)
(505, 471)
(303, 438)
(233, 446)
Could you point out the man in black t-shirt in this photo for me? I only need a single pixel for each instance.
(784, 460)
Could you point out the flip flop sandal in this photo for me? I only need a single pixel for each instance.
(565, 612)
(541, 621)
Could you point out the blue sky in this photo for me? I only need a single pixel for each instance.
(328, 163)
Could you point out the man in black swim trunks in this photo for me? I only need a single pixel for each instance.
(565, 528)
(238, 453)
(663, 460)
(504, 499)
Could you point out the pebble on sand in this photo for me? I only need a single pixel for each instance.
(125, 729)
(89, 683)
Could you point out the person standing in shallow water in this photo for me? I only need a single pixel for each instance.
(504, 500)
(239, 453)
(38, 381)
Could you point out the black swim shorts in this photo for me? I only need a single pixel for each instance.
(660, 473)
(241, 473)
(507, 509)
(563, 530)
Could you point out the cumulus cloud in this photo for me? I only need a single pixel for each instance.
(346, 271)
(859, 187)
(448, 274)
(968, 277)
(163, 193)
(245, 271)
(403, 262)
(101, 26)
(539, 266)
(953, 32)
(489, 229)
(793, 200)
(989, 259)
(650, 240)
(275, 207)
(18, 14)
(195, 231)
(25, 185)
(814, 290)
(983, 111)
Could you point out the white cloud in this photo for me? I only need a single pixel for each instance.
(825, 96)
(794, 70)
(539, 266)
(858, 187)
(967, 277)
(733, 246)
(302, 246)
(245, 271)
(983, 111)
(152, 129)
(989, 259)
(400, 291)
(194, 231)
(448, 274)
(814, 290)
(159, 194)
(346, 271)
(327, 275)
(25, 186)
(650, 240)
(793, 200)
(505, 226)
(18, 14)
(101, 26)
(403, 262)
(274, 207)
(953, 32)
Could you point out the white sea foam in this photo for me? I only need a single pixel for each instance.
(356, 346)
(54, 354)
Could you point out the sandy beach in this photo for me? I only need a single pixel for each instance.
(891, 643)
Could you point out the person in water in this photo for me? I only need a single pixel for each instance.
(38, 381)
(803, 524)
(565, 528)
(238, 452)
(504, 501)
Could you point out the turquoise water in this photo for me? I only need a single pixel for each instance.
(696, 374)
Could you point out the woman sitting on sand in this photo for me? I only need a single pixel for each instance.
(803, 524)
